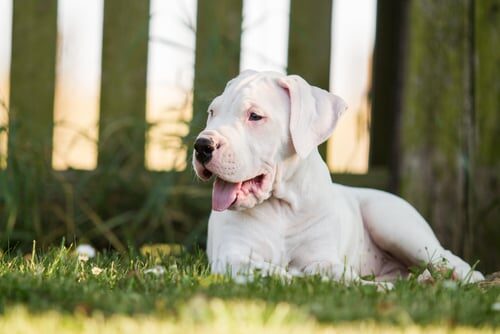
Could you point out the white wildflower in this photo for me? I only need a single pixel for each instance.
(83, 257)
(85, 252)
(96, 271)
(425, 277)
(156, 270)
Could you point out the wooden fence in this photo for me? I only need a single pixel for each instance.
(436, 93)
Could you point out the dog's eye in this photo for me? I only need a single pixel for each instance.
(254, 117)
(211, 112)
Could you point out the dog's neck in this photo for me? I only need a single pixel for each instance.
(300, 182)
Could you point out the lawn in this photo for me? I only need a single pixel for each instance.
(59, 292)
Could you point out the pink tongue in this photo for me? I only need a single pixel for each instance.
(224, 194)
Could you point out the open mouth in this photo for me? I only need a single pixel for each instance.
(206, 173)
(225, 193)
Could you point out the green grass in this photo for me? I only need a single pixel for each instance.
(110, 291)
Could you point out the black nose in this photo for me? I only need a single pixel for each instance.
(204, 148)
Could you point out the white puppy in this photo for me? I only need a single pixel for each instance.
(274, 205)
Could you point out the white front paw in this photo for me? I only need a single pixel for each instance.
(243, 269)
(329, 270)
(232, 265)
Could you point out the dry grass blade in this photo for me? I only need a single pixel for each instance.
(101, 226)
(491, 280)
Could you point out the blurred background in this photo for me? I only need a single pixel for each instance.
(100, 101)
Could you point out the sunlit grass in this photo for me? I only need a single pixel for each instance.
(151, 291)
(221, 317)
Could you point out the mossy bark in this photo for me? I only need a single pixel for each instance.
(447, 131)
(485, 179)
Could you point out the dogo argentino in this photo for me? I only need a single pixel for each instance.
(274, 205)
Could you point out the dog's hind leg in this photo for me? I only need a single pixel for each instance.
(397, 228)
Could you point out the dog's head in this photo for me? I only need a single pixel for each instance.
(260, 120)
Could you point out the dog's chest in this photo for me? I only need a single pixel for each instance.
(310, 238)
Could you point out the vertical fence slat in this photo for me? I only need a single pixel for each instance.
(32, 80)
(217, 60)
(434, 166)
(485, 181)
(122, 123)
(388, 75)
(218, 34)
(309, 43)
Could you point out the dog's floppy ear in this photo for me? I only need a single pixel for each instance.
(314, 112)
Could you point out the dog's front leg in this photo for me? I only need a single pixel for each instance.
(244, 265)
(241, 244)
